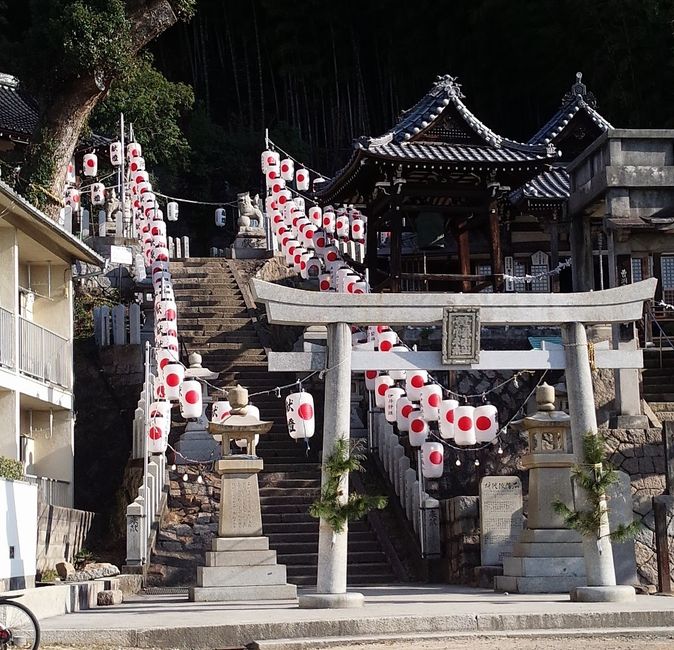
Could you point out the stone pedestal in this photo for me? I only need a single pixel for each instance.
(250, 243)
(240, 565)
(548, 558)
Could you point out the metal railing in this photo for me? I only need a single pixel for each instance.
(43, 354)
(6, 338)
(51, 490)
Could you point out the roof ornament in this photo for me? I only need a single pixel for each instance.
(447, 83)
(579, 90)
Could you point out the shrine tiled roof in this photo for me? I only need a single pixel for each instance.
(18, 111)
(576, 100)
(552, 184)
(19, 115)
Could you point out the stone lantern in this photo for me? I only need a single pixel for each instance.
(240, 565)
(548, 557)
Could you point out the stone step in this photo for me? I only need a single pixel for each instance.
(659, 406)
(218, 576)
(290, 502)
(538, 585)
(278, 493)
(360, 539)
(276, 468)
(369, 569)
(233, 593)
(356, 558)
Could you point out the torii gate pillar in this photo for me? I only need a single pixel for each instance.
(332, 547)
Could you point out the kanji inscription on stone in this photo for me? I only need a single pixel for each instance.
(501, 520)
(460, 335)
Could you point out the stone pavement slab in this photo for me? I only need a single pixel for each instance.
(174, 622)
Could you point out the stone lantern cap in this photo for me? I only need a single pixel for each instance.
(196, 370)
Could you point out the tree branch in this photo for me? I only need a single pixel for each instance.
(148, 19)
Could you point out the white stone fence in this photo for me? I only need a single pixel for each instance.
(422, 511)
(144, 512)
(179, 247)
(119, 325)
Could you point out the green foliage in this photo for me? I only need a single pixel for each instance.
(49, 575)
(82, 558)
(330, 507)
(84, 303)
(594, 477)
(154, 106)
(11, 469)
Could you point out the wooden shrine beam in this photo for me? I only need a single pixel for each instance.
(288, 306)
(489, 360)
(495, 244)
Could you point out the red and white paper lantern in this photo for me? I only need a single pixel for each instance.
(191, 405)
(315, 214)
(163, 358)
(329, 222)
(418, 429)
(220, 411)
(358, 230)
(269, 159)
(386, 340)
(325, 281)
(381, 384)
(370, 377)
(431, 397)
(300, 415)
(391, 398)
(172, 211)
(287, 169)
(432, 459)
(302, 179)
(414, 382)
(447, 418)
(398, 375)
(174, 374)
(133, 150)
(73, 199)
(137, 164)
(90, 164)
(404, 408)
(464, 425)
(158, 427)
(486, 423)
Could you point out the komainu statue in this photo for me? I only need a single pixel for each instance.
(249, 211)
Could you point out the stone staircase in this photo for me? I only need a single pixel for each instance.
(215, 321)
(658, 382)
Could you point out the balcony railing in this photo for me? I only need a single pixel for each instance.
(6, 339)
(51, 491)
(43, 354)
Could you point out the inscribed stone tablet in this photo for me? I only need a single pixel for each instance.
(500, 517)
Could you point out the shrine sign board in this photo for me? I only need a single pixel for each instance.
(501, 518)
(460, 335)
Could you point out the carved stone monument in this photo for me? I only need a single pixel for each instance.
(501, 517)
(240, 565)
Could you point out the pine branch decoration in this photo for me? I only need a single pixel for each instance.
(342, 461)
(595, 477)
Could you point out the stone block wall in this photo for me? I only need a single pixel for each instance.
(460, 538)
(189, 524)
(640, 454)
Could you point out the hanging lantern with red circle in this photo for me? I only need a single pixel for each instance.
(220, 411)
(325, 281)
(432, 459)
(269, 159)
(370, 377)
(133, 150)
(191, 404)
(71, 177)
(302, 179)
(158, 427)
(386, 340)
(115, 154)
(404, 408)
(414, 382)
(358, 230)
(300, 415)
(316, 215)
(464, 425)
(381, 384)
(73, 199)
(342, 227)
(287, 169)
(486, 423)
(418, 429)
(137, 164)
(431, 397)
(391, 398)
(163, 358)
(90, 164)
(329, 222)
(447, 417)
(174, 374)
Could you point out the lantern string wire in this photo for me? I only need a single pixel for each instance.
(194, 201)
(287, 155)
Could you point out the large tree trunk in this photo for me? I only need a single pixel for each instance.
(61, 121)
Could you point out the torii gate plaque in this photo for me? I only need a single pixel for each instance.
(338, 311)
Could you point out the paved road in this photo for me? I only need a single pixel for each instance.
(642, 641)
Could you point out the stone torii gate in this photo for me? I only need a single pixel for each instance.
(461, 316)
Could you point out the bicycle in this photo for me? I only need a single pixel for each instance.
(19, 628)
